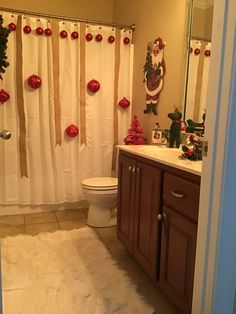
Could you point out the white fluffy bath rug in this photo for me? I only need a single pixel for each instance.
(65, 272)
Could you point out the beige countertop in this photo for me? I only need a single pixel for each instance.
(164, 155)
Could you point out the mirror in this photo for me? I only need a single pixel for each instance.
(198, 59)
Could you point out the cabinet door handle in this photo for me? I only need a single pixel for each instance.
(133, 169)
(176, 194)
(137, 169)
(130, 168)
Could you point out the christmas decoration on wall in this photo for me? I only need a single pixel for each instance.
(126, 41)
(4, 96)
(98, 37)
(89, 37)
(48, 32)
(154, 72)
(74, 35)
(72, 130)
(135, 133)
(34, 81)
(12, 27)
(39, 31)
(4, 32)
(111, 39)
(193, 149)
(197, 51)
(63, 34)
(27, 29)
(93, 86)
(175, 128)
(124, 103)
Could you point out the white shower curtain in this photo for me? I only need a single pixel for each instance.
(55, 171)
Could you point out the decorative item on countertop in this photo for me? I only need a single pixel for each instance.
(157, 134)
(135, 133)
(124, 103)
(4, 33)
(4, 96)
(154, 72)
(196, 127)
(34, 81)
(175, 128)
(193, 149)
(93, 86)
(72, 130)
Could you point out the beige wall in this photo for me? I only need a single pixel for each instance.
(99, 10)
(156, 18)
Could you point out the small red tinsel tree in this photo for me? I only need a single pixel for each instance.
(135, 133)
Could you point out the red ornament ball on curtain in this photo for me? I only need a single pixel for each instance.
(89, 37)
(197, 51)
(124, 103)
(4, 96)
(39, 30)
(12, 27)
(98, 37)
(93, 86)
(63, 34)
(207, 53)
(190, 50)
(48, 32)
(72, 130)
(74, 35)
(111, 39)
(126, 40)
(27, 29)
(34, 81)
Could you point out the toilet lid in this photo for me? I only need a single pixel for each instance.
(101, 183)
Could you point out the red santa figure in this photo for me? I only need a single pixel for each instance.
(154, 71)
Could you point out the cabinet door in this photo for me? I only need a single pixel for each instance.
(178, 248)
(147, 207)
(125, 208)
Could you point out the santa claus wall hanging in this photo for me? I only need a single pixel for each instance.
(154, 72)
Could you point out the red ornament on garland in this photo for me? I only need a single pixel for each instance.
(12, 27)
(63, 34)
(190, 152)
(98, 37)
(27, 29)
(124, 103)
(74, 35)
(89, 37)
(197, 51)
(72, 130)
(4, 96)
(93, 86)
(39, 30)
(48, 32)
(126, 40)
(111, 39)
(34, 81)
(207, 53)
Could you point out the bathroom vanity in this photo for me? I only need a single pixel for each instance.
(158, 202)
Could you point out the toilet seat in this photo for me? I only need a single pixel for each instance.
(100, 183)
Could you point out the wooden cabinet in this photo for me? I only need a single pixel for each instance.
(139, 203)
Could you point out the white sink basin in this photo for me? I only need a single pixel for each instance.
(159, 151)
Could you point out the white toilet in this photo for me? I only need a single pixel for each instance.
(101, 194)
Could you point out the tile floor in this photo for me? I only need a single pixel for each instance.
(76, 218)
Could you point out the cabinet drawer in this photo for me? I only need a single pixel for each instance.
(182, 195)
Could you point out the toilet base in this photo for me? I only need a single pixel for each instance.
(101, 217)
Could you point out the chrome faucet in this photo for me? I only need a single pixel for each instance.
(5, 134)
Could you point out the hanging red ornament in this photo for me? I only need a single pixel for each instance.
(197, 51)
(27, 29)
(39, 30)
(126, 40)
(72, 130)
(4, 96)
(74, 35)
(63, 34)
(12, 27)
(48, 32)
(190, 50)
(124, 103)
(111, 39)
(207, 53)
(89, 37)
(34, 81)
(93, 86)
(98, 37)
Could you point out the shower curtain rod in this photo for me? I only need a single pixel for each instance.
(201, 38)
(67, 18)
